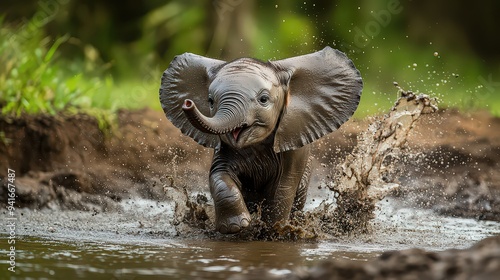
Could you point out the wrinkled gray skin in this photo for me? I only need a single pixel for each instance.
(259, 118)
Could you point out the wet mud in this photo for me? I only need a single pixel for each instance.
(447, 161)
(68, 162)
(458, 171)
(367, 175)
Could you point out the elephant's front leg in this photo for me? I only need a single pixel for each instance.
(231, 213)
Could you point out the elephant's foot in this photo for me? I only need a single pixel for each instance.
(232, 223)
(231, 214)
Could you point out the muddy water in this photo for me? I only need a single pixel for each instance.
(140, 243)
(164, 258)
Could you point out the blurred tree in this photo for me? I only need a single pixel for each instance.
(234, 24)
(457, 25)
(232, 28)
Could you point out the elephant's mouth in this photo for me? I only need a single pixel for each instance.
(237, 132)
(245, 134)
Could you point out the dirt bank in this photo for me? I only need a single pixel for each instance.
(67, 162)
(458, 173)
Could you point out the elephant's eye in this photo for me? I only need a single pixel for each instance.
(211, 102)
(264, 99)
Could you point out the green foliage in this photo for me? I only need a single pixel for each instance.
(6, 141)
(31, 80)
(120, 56)
(374, 35)
(34, 81)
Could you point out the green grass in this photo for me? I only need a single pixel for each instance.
(458, 81)
(35, 80)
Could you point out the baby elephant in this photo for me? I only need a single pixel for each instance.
(259, 117)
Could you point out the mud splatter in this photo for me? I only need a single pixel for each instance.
(365, 177)
(191, 213)
(368, 174)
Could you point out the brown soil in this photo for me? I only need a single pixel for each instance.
(458, 173)
(453, 162)
(68, 162)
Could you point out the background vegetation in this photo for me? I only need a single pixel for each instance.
(87, 55)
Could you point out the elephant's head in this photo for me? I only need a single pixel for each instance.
(293, 102)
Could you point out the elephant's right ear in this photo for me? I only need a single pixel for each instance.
(188, 77)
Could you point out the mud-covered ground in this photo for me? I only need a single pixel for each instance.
(458, 173)
(451, 164)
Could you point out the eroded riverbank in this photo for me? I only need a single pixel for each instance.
(130, 201)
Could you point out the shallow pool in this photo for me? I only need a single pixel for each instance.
(139, 243)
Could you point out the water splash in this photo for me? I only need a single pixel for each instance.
(367, 174)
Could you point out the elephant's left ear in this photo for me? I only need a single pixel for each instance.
(324, 89)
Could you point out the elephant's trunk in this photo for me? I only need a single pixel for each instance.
(224, 121)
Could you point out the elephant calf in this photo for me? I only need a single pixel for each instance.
(259, 117)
